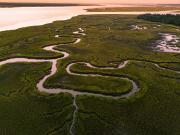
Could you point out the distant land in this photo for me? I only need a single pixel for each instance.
(8, 4)
(136, 9)
(169, 4)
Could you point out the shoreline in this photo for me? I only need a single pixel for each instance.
(20, 17)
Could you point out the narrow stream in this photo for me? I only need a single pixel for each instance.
(40, 84)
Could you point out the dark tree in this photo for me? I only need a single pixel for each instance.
(167, 19)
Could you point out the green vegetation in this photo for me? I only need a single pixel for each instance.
(148, 113)
(172, 66)
(109, 40)
(104, 85)
(167, 19)
(25, 111)
(28, 42)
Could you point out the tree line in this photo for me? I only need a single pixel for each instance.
(167, 19)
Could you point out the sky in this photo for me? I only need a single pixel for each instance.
(97, 1)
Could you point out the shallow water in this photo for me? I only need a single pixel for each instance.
(168, 43)
(14, 18)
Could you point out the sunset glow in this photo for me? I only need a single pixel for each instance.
(96, 1)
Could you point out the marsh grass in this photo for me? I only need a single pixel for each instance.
(154, 110)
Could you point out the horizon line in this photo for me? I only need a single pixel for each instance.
(122, 3)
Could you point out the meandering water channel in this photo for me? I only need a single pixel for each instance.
(40, 84)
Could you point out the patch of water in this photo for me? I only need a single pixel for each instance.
(168, 43)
